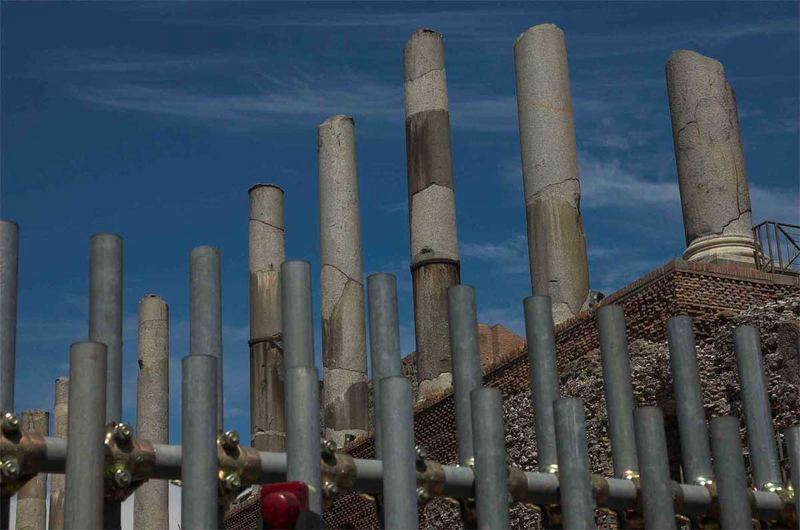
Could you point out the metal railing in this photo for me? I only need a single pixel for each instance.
(777, 247)
(104, 463)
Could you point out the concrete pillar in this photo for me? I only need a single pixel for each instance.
(267, 421)
(431, 203)
(151, 499)
(344, 351)
(556, 241)
(57, 481)
(712, 178)
(31, 507)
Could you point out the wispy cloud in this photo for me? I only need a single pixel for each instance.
(775, 204)
(507, 257)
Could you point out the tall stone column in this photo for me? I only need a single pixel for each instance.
(435, 262)
(267, 422)
(31, 506)
(717, 218)
(344, 351)
(151, 499)
(57, 481)
(556, 241)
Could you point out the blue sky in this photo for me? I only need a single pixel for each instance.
(152, 120)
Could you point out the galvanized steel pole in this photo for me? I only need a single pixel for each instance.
(302, 432)
(732, 490)
(399, 471)
(491, 470)
(9, 268)
(695, 450)
(205, 313)
(467, 376)
(31, 505)
(384, 340)
(85, 466)
(618, 390)
(757, 414)
(651, 448)
(540, 332)
(199, 509)
(298, 329)
(574, 472)
(792, 438)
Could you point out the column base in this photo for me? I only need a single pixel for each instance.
(737, 249)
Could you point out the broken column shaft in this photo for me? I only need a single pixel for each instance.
(151, 500)
(267, 421)
(31, 507)
(431, 206)
(57, 481)
(556, 241)
(712, 178)
(344, 351)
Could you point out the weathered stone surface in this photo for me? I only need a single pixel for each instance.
(58, 482)
(266, 230)
(344, 352)
(31, 505)
(433, 227)
(425, 80)
(556, 240)
(712, 177)
(428, 150)
(151, 500)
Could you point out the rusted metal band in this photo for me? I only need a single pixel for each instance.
(274, 340)
(434, 260)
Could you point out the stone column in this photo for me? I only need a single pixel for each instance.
(57, 481)
(31, 506)
(151, 499)
(556, 241)
(431, 203)
(712, 178)
(267, 423)
(344, 351)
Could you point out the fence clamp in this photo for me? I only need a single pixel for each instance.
(338, 470)
(130, 462)
(22, 454)
(517, 484)
(430, 477)
(238, 466)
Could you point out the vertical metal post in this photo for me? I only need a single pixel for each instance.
(755, 402)
(298, 329)
(85, 466)
(491, 469)
(31, 505)
(732, 492)
(618, 390)
(205, 313)
(574, 472)
(651, 448)
(9, 267)
(467, 376)
(384, 340)
(399, 471)
(792, 438)
(540, 332)
(302, 432)
(199, 509)
(695, 450)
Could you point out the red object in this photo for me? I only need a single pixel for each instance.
(282, 503)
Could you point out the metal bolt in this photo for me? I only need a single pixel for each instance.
(328, 448)
(230, 439)
(10, 468)
(422, 495)
(421, 452)
(122, 433)
(10, 423)
(122, 478)
(232, 482)
(329, 489)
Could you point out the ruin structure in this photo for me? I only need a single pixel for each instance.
(57, 482)
(32, 497)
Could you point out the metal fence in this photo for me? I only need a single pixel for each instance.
(777, 247)
(105, 462)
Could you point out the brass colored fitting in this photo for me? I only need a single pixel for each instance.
(239, 466)
(600, 490)
(130, 462)
(338, 470)
(430, 477)
(517, 484)
(22, 454)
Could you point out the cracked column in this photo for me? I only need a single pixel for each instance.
(431, 207)
(344, 351)
(556, 241)
(31, 507)
(57, 481)
(267, 423)
(151, 499)
(712, 179)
